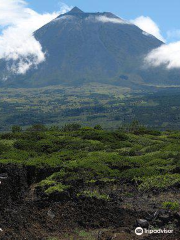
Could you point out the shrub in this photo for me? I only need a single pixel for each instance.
(37, 128)
(46, 146)
(174, 206)
(98, 127)
(8, 136)
(3, 148)
(158, 182)
(71, 127)
(50, 186)
(134, 173)
(25, 145)
(57, 188)
(16, 129)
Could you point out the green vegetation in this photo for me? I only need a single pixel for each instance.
(52, 238)
(159, 182)
(84, 235)
(96, 105)
(173, 206)
(93, 194)
(57, 188)
(86, 161)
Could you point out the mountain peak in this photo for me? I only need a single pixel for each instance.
(76, 10)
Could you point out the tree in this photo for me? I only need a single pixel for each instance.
(71, 127)
(134, 126)
(37, 128)
(16, 129)
(54, 128)
(98, 127)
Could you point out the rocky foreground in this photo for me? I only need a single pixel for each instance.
(80, 196)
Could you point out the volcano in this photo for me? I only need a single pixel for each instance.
(85, 48)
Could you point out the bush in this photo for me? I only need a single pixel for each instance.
(8, 136)
(26, 145)
(3, 148)
(57, 188)
(98, 127)
(93, 194)
(50, 186)
(134, 173)
(37, 128)
(33, 136)
(16, 129)
(71, 127)
(173, 206)
(159, 182)
(42, 146)
(46, 146)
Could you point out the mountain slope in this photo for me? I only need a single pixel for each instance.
(93, 47)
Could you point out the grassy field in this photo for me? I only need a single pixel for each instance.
(110, 106)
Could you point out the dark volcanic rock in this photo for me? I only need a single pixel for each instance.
(142, 223)
(165, 218)
(13, 184)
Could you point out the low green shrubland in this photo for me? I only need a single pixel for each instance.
(158, 181)
(93, 155)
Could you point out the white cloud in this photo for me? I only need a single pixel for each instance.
(168, 55)
(64, 8)
(149, 26)
(17, 42)
(106, 19)
(10, 9)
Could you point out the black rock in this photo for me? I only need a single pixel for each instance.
(165, 218)
(159, 223)
(177, 216)
(142, 223)
(3, 176)
(51, 214)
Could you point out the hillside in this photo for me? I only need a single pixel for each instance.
(87, 183)
(92, 47)
(90, 105)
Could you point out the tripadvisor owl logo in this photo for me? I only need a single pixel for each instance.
(138, 231)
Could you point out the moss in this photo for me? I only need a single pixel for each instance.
(46, 182)
(94, 194)
(174, 206)
(57, 188)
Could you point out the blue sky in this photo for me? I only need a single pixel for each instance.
(164, 12)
